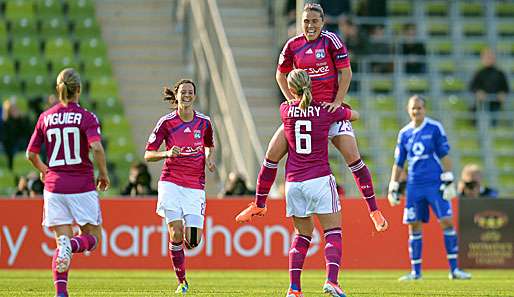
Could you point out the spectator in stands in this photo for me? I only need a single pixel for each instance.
(379, 45)
(140, 181)
(411, 47)
(236, 186)
(373, 9)
(51, 101)
(22, 189)
(16, 130)
(356, 43)
(29, 186)
(489, 84)
(335, 13)
(470, 184)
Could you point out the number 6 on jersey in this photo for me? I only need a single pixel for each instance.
(306, 137)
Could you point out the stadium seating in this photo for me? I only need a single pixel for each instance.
(454, 34)
(38, 38)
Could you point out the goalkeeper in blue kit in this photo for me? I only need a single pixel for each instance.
(430, 182)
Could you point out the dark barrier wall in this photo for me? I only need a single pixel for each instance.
(486, 233)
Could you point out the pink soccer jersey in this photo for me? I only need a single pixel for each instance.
(320, 58)
(67, 132)
(307, 137)
(187, 169)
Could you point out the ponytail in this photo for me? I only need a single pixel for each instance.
(300, 82)
(168, 94)
(67, 84)
(306, 98)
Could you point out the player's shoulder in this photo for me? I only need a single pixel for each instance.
(436, 124)
(333, 38)
(407, 128)
(202, 116)
(165, 118)
(295, 41)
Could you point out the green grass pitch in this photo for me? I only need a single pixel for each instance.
(494, 283)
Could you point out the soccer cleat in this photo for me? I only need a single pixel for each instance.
(63, 259)
(294, 293)
(182, 288)
(379, 220)
(410, 277)
(459, 274)
(252, 210)
(333, 289)
(61, 295)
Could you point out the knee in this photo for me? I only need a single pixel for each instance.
(176, 234)
(193, 238)
(415, 227)
(446, 223)
(347, 146)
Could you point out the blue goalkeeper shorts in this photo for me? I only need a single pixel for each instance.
(418, 200)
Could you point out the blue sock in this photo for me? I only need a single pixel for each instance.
(452, 248)
(415, 245)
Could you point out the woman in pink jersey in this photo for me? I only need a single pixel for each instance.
(189, 140)
(68, 132)
(310, 185)
(324, 57)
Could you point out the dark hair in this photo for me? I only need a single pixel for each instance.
(314, 7)
(67, 84)
(169, 94)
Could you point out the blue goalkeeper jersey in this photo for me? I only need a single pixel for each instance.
(422, 147)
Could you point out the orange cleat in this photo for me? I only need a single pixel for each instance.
(252, 210)
(379, 220)
(294, 293)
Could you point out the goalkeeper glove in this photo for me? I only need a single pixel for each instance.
(447, 186)
(393, 194)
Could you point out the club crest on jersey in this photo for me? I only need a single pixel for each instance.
(320, 54)
(198, 134)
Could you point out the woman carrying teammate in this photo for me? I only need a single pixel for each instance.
(68, 132)
(310, 185)
(324, 57)
(189, 140)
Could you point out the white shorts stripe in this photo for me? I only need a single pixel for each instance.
(334, 194)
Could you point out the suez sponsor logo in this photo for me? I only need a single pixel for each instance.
(255, 241)
(320, 71)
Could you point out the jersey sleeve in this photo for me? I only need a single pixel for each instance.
(442, 147)
(208, 138)
(285, 60)
(157, 137)
(400, 153)
(342, 114)
(37, 138)
(92, 128)
(338, 51)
